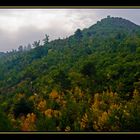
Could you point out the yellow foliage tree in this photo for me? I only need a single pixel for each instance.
(48, 113)
(84, 121)
(42, 105)
(54, 95)
(67, 129)
(52, 113)
(28, 123)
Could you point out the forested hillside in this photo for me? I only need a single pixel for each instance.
(89, 81)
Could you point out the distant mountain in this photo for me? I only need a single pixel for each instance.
(95, 69)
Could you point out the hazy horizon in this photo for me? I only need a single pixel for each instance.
(24, 26)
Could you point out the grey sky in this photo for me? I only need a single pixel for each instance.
(23, 26)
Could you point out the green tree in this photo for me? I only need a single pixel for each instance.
(46, 39)
(78, 34)
(22, 107)
(5, 124)
(36, 44)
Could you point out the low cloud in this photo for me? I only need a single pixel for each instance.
(29, 34)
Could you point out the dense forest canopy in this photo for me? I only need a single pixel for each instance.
(89, 81)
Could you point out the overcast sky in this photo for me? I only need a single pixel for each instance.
(23, 26)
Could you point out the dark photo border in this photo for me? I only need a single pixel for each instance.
(5, 4)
